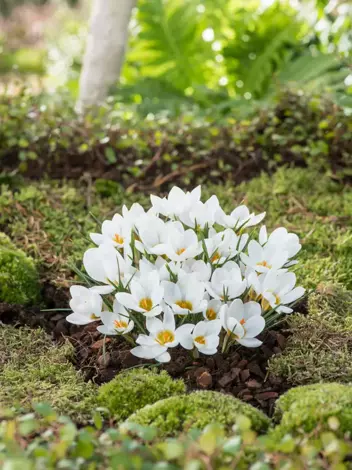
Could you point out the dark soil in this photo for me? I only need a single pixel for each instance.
(242, 373)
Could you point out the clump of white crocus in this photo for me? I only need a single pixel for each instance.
(185, 273)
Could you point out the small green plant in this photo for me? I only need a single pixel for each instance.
(304, 408)
(131, 390)
(19, 281)
(177, 414)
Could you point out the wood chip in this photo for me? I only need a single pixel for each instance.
(99, 344)
(266, 395)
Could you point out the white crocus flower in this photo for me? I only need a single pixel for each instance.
(201, 214)
(186, 296)
(153, 236)
(106, 265)
(280, 237)
(86, 305)
(239, 218)
(264, 258)
(276, 290)
(200, 269)
(145, 297)
(223, 246)
(116, 322)
(182, 244)
(243, 322)
(176, 203)
(226, 282)
(162, 335)
(212, 310)
(204, 336)
(115, 231)
(132, 216)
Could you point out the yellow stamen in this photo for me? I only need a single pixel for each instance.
(265, 264)
(252, 295)
(210, 314)
(165, 336)
(118, 239)
(215, 257)
(265, 305)
(120, 324)
(146, 304)
(277, 299)
(184, 304)
(94, 317)
(200, 339)
(180, 251)
(243, 321)
(231, 333)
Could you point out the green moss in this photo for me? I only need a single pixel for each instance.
(136, 388)
(308, 407)
(54, 222)
(319, 348)
(5, 242)
(19, 282)
(33, 369)
(176, 414)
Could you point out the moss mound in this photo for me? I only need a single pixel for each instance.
(196, 410)
(32, 368)
(320, 346)
(19, 282)
(308, 407)
(136, 388)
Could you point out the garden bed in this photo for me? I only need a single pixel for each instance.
(46, 220)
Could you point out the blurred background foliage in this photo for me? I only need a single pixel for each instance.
(214, 56)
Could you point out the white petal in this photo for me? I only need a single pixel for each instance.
(128, 301)
(293, 295)
(106, 330)
(97, 238)
(254, 326)
(154, 325)
(250, 342)
(77, 319)
(252, 309)
(165, 357)
(263, 235)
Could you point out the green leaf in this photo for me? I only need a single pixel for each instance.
(110, 155)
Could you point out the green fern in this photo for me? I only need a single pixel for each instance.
(261, 46)
(169, 44)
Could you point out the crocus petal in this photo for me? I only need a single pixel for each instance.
(148, 352)
(250, 342)
(165, 357)
(128, 301)
(254, 326)
(105, 330)
(293, 295)
(77, 319)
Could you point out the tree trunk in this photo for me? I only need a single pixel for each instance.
(105, 50)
